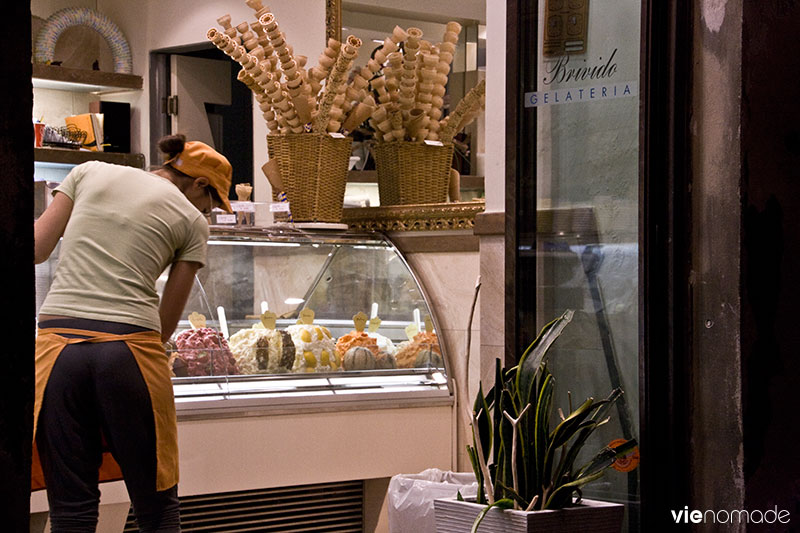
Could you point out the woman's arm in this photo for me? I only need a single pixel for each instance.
(50, 227)
(176, 292)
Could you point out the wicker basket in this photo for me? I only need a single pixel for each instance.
(314, 173)
(412, 173)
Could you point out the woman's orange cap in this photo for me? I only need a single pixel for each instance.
(200, 160)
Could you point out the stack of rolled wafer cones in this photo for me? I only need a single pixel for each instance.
(292, 98)
(410, 87)
(413, 155)
(400, 91)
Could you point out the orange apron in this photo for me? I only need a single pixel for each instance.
(152, 360)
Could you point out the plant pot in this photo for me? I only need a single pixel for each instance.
(453, 516)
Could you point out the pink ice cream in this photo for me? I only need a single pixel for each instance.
(205, 352)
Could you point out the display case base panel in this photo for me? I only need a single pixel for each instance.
(322, 507)
(234, 454)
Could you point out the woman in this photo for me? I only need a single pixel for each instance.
(102, 378)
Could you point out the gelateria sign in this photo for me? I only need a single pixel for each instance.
(588, 83)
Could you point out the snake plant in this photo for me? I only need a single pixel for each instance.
(520, 460)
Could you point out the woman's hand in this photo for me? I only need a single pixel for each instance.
(50, 227)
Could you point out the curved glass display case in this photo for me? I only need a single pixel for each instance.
(280, 324)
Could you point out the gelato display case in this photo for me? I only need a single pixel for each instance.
(285, 316)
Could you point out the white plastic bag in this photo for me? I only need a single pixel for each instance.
(410, 497)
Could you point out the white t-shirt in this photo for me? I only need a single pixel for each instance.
(127, 226)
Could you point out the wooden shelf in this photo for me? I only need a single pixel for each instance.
(90, 81)
(76, 157)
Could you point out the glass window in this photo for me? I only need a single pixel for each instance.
(578, 225)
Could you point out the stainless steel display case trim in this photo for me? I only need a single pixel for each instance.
(288, 234)
(293, 393)
(283, 323)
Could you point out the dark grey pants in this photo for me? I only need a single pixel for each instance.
(94, 389)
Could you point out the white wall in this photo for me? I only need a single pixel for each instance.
(45, 8)
(495, 137)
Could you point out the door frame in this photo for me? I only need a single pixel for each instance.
(239, 151)
(665, 219)
(160, 72)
